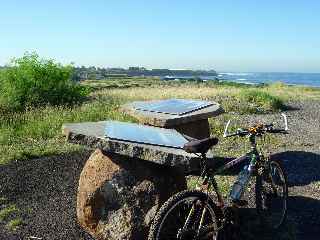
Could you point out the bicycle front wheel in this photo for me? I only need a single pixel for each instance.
(186, 215)
(272, 195)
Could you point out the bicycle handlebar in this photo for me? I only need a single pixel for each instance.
(258, 129)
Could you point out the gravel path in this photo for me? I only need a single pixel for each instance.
(45, 192)
(45, 189)
(301, 156)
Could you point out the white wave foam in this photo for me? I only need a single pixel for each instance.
(236, 74)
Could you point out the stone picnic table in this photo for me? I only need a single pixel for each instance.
(124, 182)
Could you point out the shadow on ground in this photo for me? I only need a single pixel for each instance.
(302, 167)
(303, 220)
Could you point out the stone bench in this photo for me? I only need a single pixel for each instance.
(123, 183)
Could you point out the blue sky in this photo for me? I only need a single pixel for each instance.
(223, 35)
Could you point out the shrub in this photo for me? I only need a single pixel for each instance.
(261, 101)
(30, 81)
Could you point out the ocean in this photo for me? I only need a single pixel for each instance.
(308, 79)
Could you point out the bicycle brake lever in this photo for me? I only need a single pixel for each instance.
(285, 121)
(225, 134)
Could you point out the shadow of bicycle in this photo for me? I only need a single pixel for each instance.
(303, 220)
(302, 167)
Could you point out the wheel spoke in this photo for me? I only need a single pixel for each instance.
(178, 223)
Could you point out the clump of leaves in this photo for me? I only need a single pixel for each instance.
(31, 81)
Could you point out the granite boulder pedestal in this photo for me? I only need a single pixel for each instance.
(118, 198)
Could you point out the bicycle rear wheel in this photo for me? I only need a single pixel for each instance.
(272, 195)
(181, 215)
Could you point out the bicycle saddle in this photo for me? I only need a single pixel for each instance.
(200, 146)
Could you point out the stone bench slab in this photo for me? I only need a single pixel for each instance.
(92, 134)
(169, 120)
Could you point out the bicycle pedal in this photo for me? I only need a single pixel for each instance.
(240, 203)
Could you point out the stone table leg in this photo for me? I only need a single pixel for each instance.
(119, 196)
(198, 129)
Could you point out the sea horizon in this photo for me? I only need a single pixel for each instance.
(291, 78)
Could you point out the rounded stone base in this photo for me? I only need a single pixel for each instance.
(119, 196)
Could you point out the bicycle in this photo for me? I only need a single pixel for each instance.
(193, 214)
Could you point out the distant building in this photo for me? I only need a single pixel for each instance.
(99, 76)
(83, 76)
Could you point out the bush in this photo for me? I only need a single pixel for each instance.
(30, 81)
(262, 101)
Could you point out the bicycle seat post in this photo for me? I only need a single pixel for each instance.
(203, 164)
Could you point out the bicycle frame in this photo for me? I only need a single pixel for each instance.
(252, 157)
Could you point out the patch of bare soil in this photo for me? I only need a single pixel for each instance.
(45, 191)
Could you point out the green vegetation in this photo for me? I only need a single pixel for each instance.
(14, 224)
(45, 95)
(234, 97)
(259, 100)
(7, 211)
(37, 132)
(224, 182)
(9, 215)
(32, 82)
(121, 83)
(93, 73)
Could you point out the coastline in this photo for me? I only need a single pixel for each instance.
(256, 78)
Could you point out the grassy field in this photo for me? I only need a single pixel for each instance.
(37, 132)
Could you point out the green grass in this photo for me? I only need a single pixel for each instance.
(14, 224)
(260, 101)
(37, 132)
(224, 182)
(125, 82)
(2, 200)
(7, 211)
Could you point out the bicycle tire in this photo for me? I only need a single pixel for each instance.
(265, 196)
(173, 203)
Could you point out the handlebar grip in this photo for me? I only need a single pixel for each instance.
(240, 133)
(278, 131)
(231, 135)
